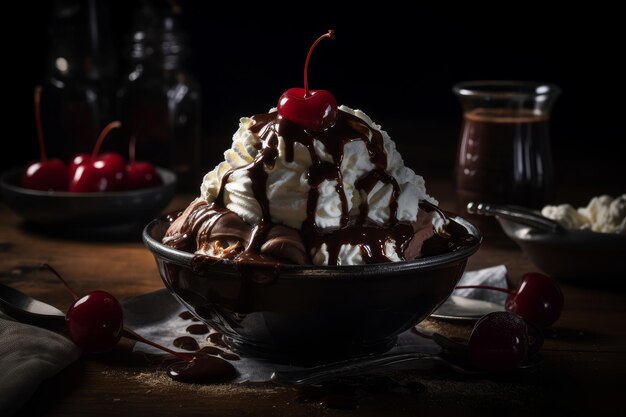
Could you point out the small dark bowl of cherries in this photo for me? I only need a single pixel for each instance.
(93, 190)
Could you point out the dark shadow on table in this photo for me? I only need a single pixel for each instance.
(117, 233)
(51, 391)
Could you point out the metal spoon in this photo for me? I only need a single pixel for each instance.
(517, 214)
(27, 310)
(352, 367)
(361, 366)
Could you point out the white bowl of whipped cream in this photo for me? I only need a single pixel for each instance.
(589, 247)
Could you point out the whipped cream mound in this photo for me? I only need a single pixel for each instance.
(603, 214)
(288, 186)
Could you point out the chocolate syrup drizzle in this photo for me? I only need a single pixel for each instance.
(360, 231)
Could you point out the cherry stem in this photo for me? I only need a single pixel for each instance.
(484, 287)
(42, 147)
(102, 136)
(132, 148)
(54, 271)
(134, 336)
(330, 34)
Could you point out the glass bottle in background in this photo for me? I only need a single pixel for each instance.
(80, 76)
(159, 100)
(504, 154)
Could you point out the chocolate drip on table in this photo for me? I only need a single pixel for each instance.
(186, 343)
(206, 366)
(197, 329)
(202, 368)
(187, 315)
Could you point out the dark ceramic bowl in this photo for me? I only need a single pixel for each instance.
(580, 256)
(308, 314)
(58, 209)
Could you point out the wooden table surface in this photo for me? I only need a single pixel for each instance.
(583, 370)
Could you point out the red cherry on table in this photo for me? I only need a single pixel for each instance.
(46, 174)
(538, 299)
(312, 109)
(95, 322)
(499, 342)
(106, 172)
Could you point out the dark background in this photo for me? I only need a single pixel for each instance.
(396, 64)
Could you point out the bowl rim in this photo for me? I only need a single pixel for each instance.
(169, 179)
(185, 259)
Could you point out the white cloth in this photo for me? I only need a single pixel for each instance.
(493, 277)
(28, 356)
(473, 303)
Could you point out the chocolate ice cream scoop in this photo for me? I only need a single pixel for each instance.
(220, 233)
(286, 244)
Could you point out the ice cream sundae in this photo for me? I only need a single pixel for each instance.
(309, 182)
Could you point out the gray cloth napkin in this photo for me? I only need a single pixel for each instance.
(28, 355)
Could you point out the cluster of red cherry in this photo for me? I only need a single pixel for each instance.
(87, 173)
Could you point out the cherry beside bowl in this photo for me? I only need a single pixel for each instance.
(310, 314)
(63, 209)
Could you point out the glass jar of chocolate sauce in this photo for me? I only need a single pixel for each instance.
(159, 100)
(504, 154)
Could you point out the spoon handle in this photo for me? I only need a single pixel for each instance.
(28, 310)
(356, 366)
(515, 213)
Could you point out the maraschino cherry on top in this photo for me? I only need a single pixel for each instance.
(314, 110)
